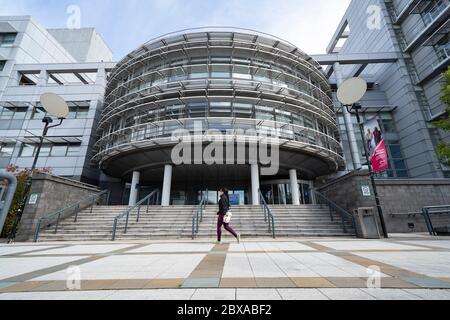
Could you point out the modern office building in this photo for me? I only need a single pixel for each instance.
(238, 83)
(233, 84)
(405, 88)
(72, 63)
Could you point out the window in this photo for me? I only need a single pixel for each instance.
(51, 150)
(77, 110)
(6, 150)
(2, 64)
(13, 113)
(59, 151)
(73, 150)
(220, 109)
(7, 39)
(27, 150)
(264, 113)
(243, 110)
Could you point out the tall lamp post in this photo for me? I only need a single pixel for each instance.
(349, 93)
(55, 106)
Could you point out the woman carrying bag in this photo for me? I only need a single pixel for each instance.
(225, 216)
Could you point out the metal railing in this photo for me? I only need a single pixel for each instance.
(154, 195)
(434, 210)
(197, 218)
(69, 211)
(345, 215)
(268, 216)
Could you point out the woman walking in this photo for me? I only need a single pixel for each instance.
(224, 207)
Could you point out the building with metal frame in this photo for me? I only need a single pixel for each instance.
(226, 80)
(401, 47)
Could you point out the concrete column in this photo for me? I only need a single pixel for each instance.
(356, 157)
(255, 184)
(294, 187)
(167, 186)
(43, 78)
(134, 192)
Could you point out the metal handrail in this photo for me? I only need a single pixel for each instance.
(138, 206)
(345, 215)
(77, 207)
(197, 218)
(268, 216)
(427, 211)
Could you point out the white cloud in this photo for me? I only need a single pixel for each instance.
(127, 24)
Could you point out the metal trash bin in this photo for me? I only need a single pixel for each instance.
(367, 226)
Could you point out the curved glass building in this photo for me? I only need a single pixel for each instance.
(213, 82)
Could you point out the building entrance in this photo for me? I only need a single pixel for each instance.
(279, 192)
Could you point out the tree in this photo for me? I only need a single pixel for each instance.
(443, 149)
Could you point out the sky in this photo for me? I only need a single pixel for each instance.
(127, 24)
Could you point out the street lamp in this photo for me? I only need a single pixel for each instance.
(349, 93)
(55, 106)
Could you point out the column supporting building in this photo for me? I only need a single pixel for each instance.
(134, 192)
(167, 186)
(294, 187)
(356, 157)
(255, 184)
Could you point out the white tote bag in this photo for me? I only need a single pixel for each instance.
(227, 218)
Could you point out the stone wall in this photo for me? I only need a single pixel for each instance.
(53, 194)
(402, 200)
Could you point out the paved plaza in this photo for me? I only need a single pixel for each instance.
(403, 267)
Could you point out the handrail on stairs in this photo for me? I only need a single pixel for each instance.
(268, 216)
(197, 218)
(345, 215)
(154, 195)
(71, 210)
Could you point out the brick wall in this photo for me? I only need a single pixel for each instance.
(55, 193)
(400, 199)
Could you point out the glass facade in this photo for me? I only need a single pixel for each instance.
(227, 81)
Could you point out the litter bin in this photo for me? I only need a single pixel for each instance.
(367, 224)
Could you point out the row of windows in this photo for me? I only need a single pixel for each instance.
(47, 150)
(7, 39)
(222, 110)
(186, 64)
(77, 110)
(227, 72)
(226, 126)
(51, 150)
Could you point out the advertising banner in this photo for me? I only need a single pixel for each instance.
(376, 146)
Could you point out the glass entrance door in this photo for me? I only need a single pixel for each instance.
(280, 193)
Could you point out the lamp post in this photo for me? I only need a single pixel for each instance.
(355, 108)
(56, 106)
(349, 93)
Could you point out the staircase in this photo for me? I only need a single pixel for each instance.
(175, 222)
(160, 223)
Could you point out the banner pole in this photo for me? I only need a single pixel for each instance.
(357, 107)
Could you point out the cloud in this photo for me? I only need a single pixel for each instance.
(127, 24)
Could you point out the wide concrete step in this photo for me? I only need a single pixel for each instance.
(175, 222)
